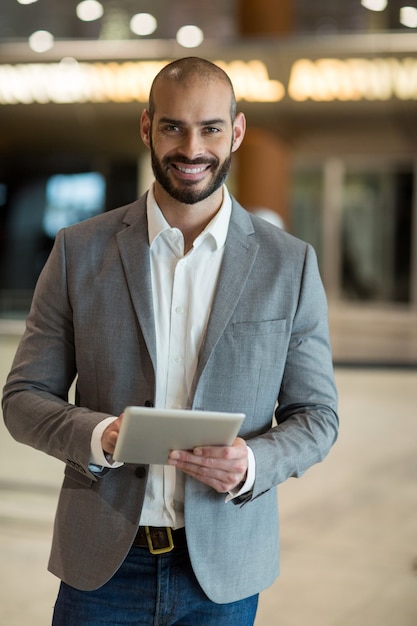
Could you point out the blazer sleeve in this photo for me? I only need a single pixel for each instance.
(35, 398)
(306, 413)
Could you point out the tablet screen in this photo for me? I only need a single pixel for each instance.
(147, 435)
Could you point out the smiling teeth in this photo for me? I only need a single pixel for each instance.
(191, 170)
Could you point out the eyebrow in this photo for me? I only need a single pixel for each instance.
(213, 122)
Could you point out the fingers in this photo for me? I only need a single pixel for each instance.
(110, 434)
(236, 451)
(220, 467)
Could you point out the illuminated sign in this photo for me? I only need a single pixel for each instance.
(326, 80)
(71, 82)
(321, 80)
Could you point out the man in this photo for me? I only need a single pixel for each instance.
(181, 299)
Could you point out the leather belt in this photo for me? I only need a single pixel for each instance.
(160, 539)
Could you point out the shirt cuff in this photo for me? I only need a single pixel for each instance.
(250, 478)
(99, 458)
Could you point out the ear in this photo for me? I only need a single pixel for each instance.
(145, 128)
(239, 128)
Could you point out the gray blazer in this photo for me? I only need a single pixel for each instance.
(266, 341)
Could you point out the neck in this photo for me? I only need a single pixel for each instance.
(190, 219)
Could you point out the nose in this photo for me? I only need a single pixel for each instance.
(192, 144)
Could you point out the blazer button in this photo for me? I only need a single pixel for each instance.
(140, 472)
(149, 403)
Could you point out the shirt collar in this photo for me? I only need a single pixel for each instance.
(216, 229)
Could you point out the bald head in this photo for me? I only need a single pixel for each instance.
(187, 70)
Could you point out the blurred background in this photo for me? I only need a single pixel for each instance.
(329, 90)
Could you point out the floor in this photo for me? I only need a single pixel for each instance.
(348, 527)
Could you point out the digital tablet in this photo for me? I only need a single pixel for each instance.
(147, 435)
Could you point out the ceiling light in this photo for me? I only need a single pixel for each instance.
(41, 41)
(68, 62)
(408, 17)
(374, 5)
(143, 24)
(26, 1)
(89, 10)
(190, 36)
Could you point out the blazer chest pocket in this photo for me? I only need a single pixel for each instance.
(266, 327)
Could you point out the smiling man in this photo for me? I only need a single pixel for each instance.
(191, 149)
(181, 299)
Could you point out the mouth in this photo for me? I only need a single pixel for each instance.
(197, 169)
(189, 173)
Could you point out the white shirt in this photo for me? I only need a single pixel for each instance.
(183, 289)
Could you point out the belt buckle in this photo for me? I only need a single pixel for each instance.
(151, 547)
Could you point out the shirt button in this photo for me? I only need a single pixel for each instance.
(178, 358)
(180, 310)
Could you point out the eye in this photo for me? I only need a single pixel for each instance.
(211, 130)
(171, 128)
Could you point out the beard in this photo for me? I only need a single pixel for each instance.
(186, 194)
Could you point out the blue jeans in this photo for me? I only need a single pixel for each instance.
(150, 590)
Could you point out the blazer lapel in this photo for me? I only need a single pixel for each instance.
(239, 256)
(134, 252)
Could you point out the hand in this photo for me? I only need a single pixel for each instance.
(109, 436)
(220, 467)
